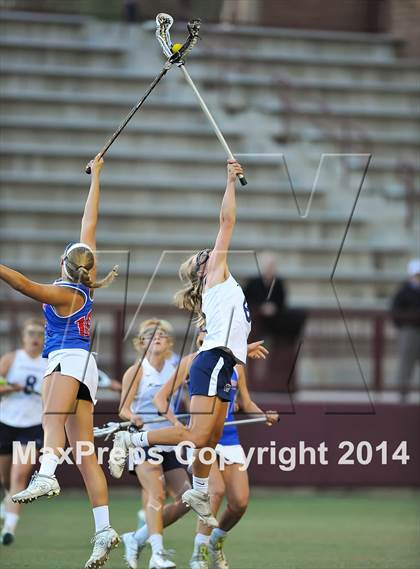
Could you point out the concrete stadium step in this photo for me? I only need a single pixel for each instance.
(98, 106)
(25, 244)
(61, 52)
(36, 24)
(118, 217)
(376, 119)
(68, 78)
(244, 88)
(307, 66)
(142, 137)
(269, 40)
(164, 277)
(206, 193)
(186, 165)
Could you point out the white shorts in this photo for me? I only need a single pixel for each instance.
(231, 453)
(76, 363)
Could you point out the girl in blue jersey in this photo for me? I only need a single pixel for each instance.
(71, 378)
(213, 296)
(231, 481)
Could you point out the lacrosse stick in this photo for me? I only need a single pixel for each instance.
(111, 428)
(163, 24)
(174, 57)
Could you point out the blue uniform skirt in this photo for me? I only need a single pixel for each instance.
(211, 372)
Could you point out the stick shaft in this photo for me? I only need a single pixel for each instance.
(246, 421)
(134, 110)
(207, 112)
(213, 123)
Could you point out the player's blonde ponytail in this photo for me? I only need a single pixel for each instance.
(78, 261)
(190, 296)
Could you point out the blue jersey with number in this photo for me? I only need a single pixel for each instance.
(230, 433)
(71, 331)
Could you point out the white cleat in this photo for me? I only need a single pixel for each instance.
(103, 541)
(131, 549)
(119, 453)
(39, 486)
(217, 557)
(200, 503)
(200, 558)
(161, 560)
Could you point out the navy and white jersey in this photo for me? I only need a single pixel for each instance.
(24, 408)
(71, 331)
(230, 433)
(228, 320)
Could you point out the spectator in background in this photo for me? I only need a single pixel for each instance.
(266, 292)
(239, 12)
(266, 297)
(131, 10)
(405, 312)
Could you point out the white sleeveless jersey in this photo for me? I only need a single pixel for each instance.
(150, 383)
(24, 409)
(228, 321)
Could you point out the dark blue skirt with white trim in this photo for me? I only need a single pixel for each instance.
(211, 372)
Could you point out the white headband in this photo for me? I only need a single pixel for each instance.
(71, 248)
(76, 246)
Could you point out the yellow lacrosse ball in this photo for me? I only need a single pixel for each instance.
(176, 47)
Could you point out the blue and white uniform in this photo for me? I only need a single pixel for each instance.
(21, 411)
(67, 340)
(229, 446)
(228, 325)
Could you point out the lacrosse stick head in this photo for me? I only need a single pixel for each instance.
(163, 25)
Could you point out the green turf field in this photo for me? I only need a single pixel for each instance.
(282, 530)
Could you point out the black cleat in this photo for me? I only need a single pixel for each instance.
(7, 538)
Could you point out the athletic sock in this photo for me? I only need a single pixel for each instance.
(49, 462)
(140, 439)
(141, 535)
(201, 484)
(217, 534)
(200, 539)
(101, 515)
(10, 522)
(156, 541)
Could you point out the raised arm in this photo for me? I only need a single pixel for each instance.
(48, 294)
(90, 214)
(217, 270)
(163, 396)
(130, 383)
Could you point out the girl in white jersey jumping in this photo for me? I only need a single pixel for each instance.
(216, 299)
(71, 378)
(20, 417)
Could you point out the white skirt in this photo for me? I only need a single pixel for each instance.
(231, 453)
(76, 363)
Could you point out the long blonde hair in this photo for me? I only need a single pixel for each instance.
(78, 261)
(190, 296)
